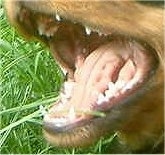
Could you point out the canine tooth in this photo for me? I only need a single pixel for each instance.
(111, 86)
(72, 114)
(58, 17)
(87, 30)
(101, 99)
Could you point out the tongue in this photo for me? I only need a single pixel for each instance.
(93, 74)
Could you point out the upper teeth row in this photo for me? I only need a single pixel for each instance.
(50, 33)
(87, 29)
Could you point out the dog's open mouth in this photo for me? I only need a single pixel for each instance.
(109, 57)
(104, 70)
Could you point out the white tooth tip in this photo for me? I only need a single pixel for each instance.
(87, 30)
(120, 84)
(109, 94)
(128, 86)
(58, 17)
(101, 99)
(111, 85)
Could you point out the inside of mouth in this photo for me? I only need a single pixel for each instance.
(104, 70)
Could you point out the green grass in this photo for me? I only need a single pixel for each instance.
(29, 78)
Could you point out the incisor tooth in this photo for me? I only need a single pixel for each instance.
(87, 30)
(101, 99)
(58, 17)
(111, 86)
(113, 91)
(109, 94)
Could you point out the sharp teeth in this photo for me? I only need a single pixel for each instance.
(72, 114)
(113, 91)
(120, 84)
(87, 30)
(109, 94)
(128, 86)
(102, 99)
(58, 17)
(112, 87)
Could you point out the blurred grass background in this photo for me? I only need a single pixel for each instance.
(29, 78)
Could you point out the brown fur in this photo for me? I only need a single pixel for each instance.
(128, 18)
